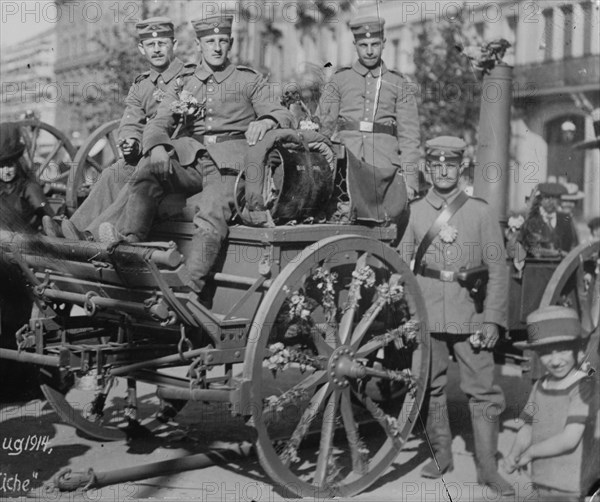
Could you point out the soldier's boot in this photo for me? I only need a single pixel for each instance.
(202, 257)
(440, 438)
(485, 435)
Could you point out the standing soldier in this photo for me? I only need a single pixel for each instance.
(214, 114)
(157, 45)
(453, 239)
(373, 109)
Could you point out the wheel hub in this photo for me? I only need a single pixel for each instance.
(342, 366)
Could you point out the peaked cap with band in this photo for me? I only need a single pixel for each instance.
(213, 25)
(155, 27)
(367, 27)
(444, 148)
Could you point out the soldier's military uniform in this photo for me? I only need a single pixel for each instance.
(373, 112)
(208, 152)
(107, 199)
(471, 238)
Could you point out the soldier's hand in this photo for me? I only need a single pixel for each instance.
(129, 147)
(490, 335)
(257, 130)
(160, 162)
(411, 192)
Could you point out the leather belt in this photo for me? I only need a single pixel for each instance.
(212, 139)
(440, 275)
(365, 126)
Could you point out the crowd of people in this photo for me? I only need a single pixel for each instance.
(186, 129)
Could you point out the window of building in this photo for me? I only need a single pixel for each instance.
(548, 33)
(568, 31)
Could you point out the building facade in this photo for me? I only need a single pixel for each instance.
(27, 82)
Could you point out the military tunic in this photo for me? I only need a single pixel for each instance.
(351, 97)
(450, 309)
(144, 96)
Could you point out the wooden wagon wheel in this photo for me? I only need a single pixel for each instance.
(99, 151)
(575, 283)
(338, 360)
(47, 150)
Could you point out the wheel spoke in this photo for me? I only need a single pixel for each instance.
(348, 317)
(311, 411)
(323, 345)
(382, 418)
(327, 432)
(354, 441)
(49, 158)
(113, 145)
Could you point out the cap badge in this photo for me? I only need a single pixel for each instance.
(216, 30)
(154, 34)
(442, 158)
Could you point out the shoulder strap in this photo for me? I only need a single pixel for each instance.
(437, 225)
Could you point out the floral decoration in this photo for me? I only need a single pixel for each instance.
(515, 223)
(292, 99)
(448, 233)
(159, 95)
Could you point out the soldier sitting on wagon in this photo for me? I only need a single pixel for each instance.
(213, 116)
(372, 111)
(156, 44)
(22, 200)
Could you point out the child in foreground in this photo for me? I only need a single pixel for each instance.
(558, 435)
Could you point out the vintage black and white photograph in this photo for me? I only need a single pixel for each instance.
(283, 250)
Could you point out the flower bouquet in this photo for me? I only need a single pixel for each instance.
(187, 109)
(293, 102)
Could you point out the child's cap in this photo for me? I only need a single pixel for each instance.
(553, 324)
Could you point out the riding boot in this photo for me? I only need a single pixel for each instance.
(440, 438)
(202, 257)
(485, 434)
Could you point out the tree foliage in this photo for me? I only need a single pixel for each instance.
(450, 88)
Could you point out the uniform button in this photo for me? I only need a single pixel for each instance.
(209, 127)
(211, 89)
(210, 110)
(210, 100)
(209, 118)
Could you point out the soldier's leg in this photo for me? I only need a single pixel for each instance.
(104, 192)
(438, 424)
(213, 210)
(486, 402)
(147, 191)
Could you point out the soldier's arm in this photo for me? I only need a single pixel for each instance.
(409, 132)
(329, 107)
(494, 256)
(266, 105)
(158, 130)
(134, 118)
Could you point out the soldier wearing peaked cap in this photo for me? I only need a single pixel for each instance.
(449, 232)
(232, 110)
(157, 44)
(372, 110)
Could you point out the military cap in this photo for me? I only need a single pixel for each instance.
(155, 27)
(573, 193)
(367, 27)
(552, 189)
(594, 223)
(11, 144)
(213, 25)
(552, 324)
(445, 148)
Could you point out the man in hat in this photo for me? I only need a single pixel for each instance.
(215, 114)
(449, 232)
(22, 200)
(157, 44)
(546, 231)
(372, 110)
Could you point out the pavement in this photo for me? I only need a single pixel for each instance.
(36, 445)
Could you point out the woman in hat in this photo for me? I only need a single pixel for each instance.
(557, 438)
(22, 200)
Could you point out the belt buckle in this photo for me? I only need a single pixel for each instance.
(364, 126)
(446, 276)
(210, 140)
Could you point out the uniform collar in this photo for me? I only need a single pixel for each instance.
(363, 70)
(172, 71)
(204, 73)
(437, 201)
